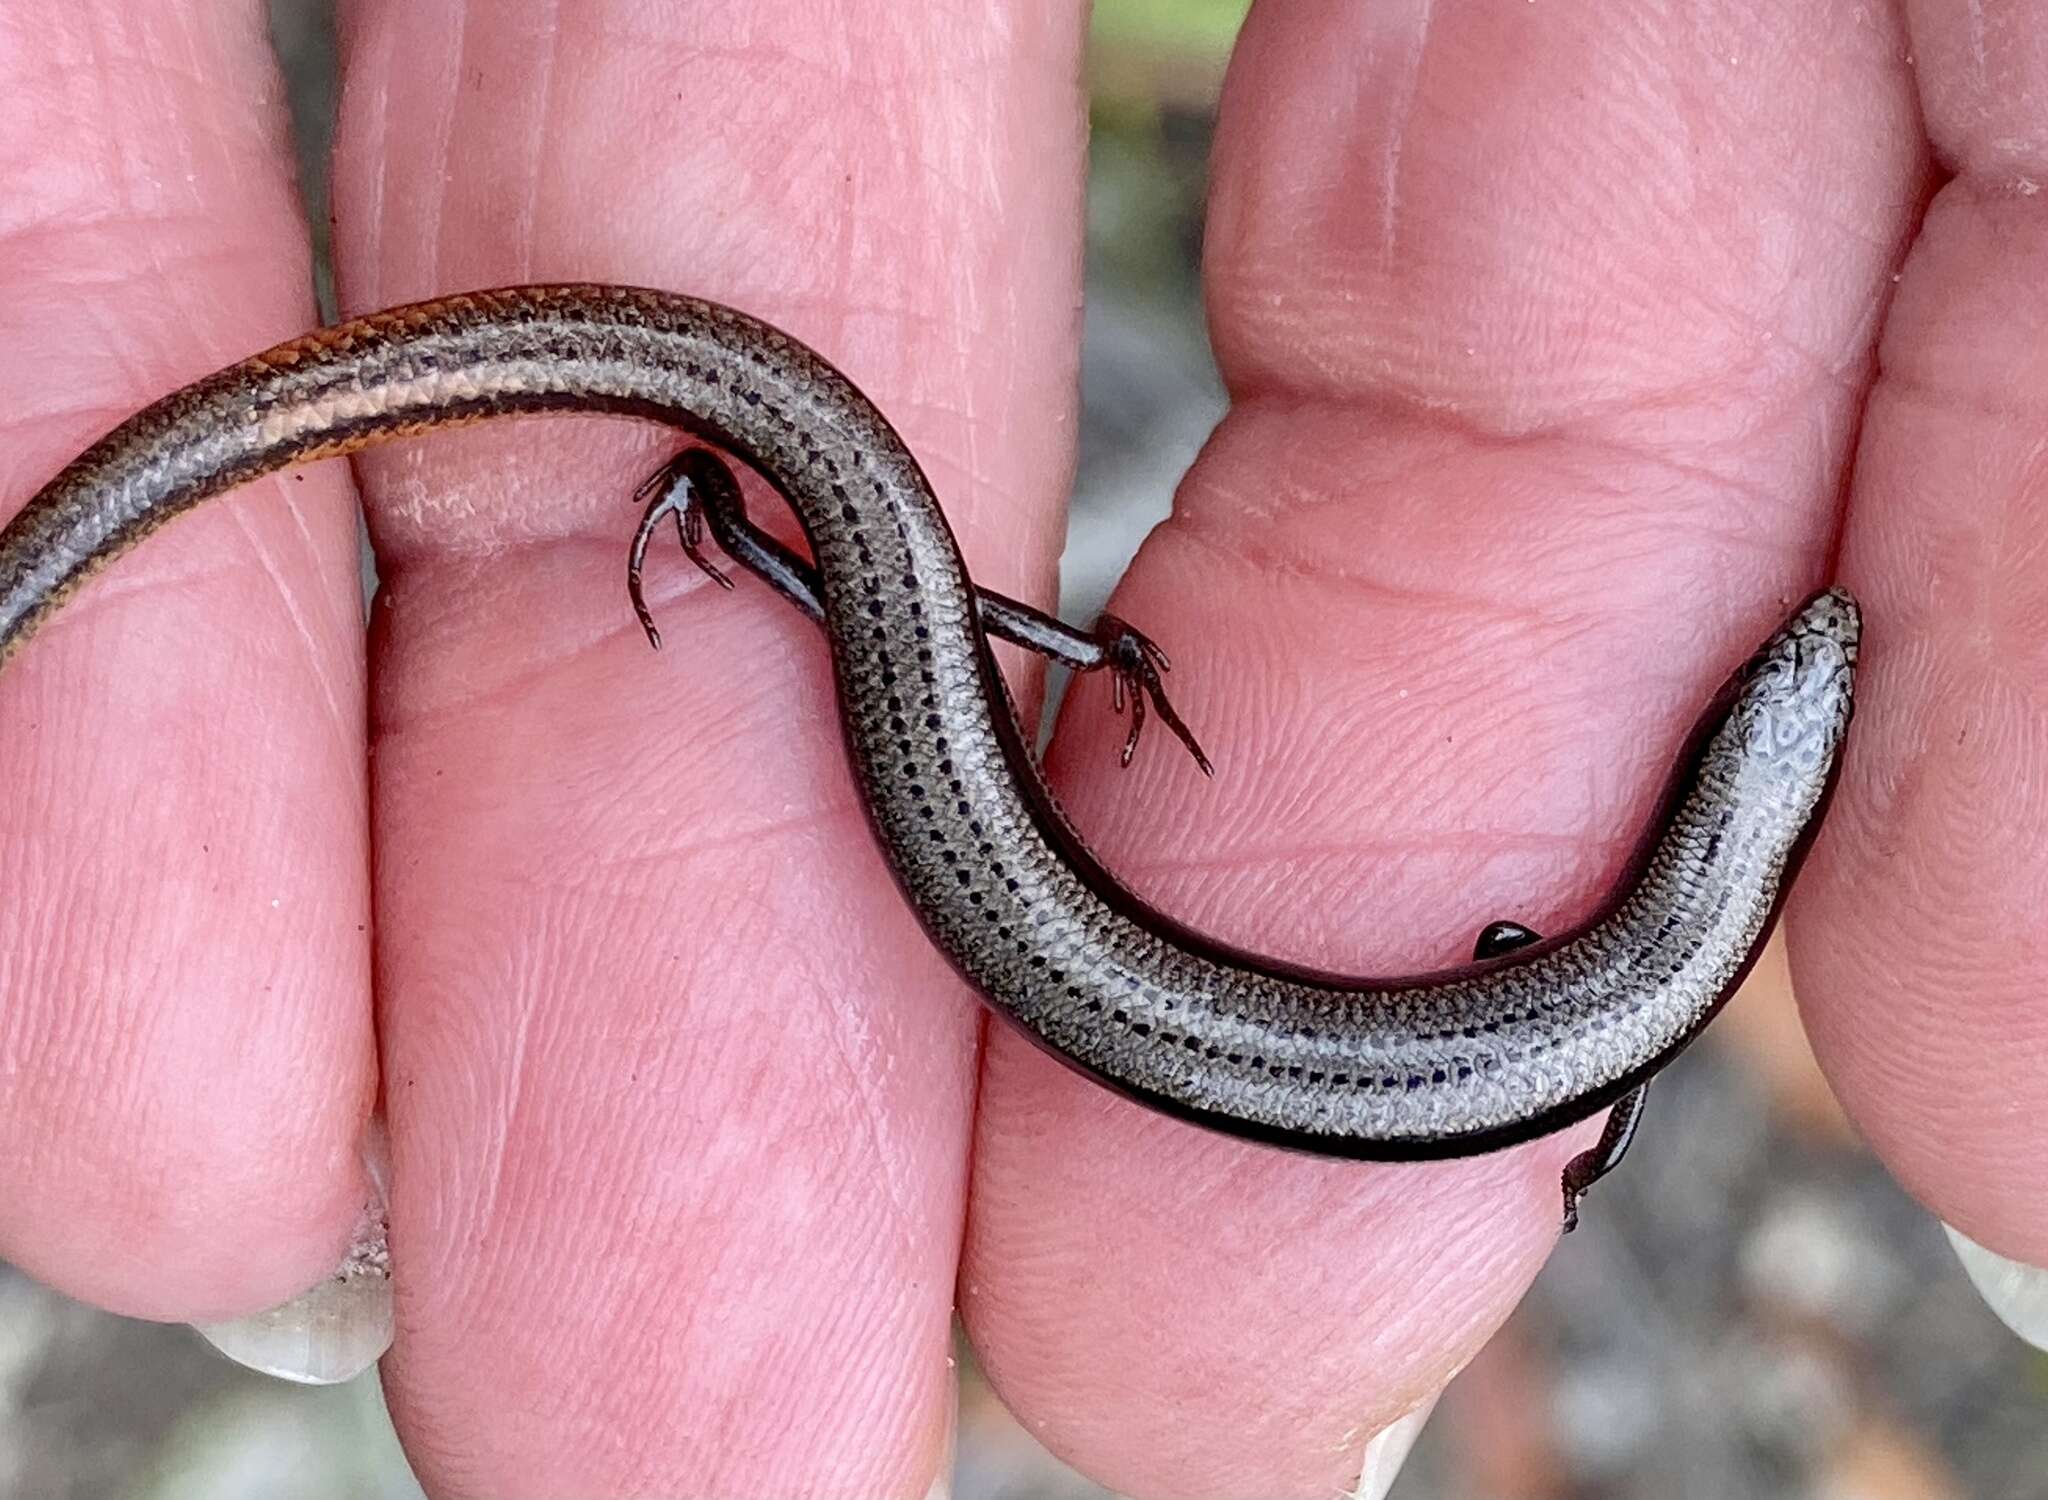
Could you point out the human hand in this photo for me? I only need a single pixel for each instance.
(1548, 343)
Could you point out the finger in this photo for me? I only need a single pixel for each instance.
(185, 1055)
(1920, 945)
(678, 1091)
(1545, 332)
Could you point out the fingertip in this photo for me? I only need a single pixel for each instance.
(1208, 1316)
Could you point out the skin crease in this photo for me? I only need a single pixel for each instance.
(1549, 334)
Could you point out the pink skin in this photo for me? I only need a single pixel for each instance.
(1549, 342)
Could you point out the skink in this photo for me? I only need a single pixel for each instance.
(1538, 1035)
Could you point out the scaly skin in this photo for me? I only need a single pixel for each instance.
(1444, 1065)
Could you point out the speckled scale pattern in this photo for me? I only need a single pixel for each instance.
(1465, 1061)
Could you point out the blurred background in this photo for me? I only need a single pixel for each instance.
(1752, 1309)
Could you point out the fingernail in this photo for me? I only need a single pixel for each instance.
(1386, 1453)
(336, 1330)
(2017, 1293)
(942, 1486)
